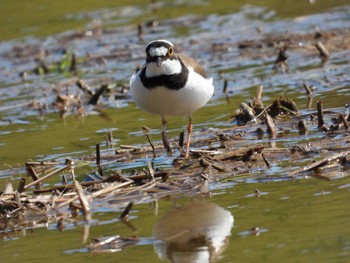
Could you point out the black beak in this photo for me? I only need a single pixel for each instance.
(159, 61)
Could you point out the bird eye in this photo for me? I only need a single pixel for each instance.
(170, 51)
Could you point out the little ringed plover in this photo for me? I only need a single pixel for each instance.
(170, 84)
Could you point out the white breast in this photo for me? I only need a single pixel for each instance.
(164, 101)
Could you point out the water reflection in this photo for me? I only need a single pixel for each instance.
(195, 232)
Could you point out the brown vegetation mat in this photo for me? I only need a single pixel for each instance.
(248, 151)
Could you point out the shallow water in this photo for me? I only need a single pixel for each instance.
(299, 221)
(304, 220)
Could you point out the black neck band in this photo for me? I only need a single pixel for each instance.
(173, 81)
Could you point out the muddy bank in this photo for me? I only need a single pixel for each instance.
(61, 73)
(261, 149)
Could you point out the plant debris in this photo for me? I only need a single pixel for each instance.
(220, 156)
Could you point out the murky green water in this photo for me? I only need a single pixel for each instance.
(41, 18)
(300, 221)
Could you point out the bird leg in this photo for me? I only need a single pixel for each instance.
(189, 132)
(164, 137)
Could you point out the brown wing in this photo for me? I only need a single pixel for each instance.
(194, 64)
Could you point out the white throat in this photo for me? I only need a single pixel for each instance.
(168, 67)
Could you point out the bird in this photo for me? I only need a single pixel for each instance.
(170, 84)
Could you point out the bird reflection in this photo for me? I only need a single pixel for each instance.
(196, 232)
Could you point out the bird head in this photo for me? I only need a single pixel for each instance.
(158, 51)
